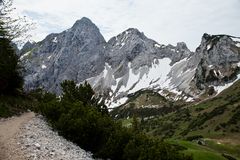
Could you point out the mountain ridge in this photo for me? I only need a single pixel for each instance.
(130, 62)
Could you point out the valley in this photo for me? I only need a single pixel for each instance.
(77, 94)
(208, 129)
(130, 62)
(189, 99)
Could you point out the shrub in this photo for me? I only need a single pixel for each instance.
(196, 137)
(217, 128)
(11, 79)
(79, 117)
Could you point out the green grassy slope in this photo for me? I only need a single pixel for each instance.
(207, 151)
(217, 117)
(146, 103)
(217, 120)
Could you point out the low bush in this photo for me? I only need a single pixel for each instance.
(79, 117)
(15, 105)
(195, 137)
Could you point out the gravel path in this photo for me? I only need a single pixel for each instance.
(9, 150)
(29, 137)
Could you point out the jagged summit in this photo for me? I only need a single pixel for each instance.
(209, 42)
(84, 21)
(129, 34)
(85, 30)
(130, 62)
(182, 46)
(133, 31)
(208, 37)
(72, 54)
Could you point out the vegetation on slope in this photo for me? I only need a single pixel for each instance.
(199, 151)
(215, 122)
(79, 117)
(146, 103)
(12, 98)
(218, 116)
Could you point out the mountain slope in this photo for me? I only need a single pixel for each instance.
(73, 54)
(188, 75)
(216, 117)
(131, 62)
(209, 129)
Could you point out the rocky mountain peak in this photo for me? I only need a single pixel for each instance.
(28, 46)
(182, 46)
(220, 58)
(73, 54)
(84, 22)
(128, 45)
(129, 62)
(134, 31)
(85, 30)
(131, 35)
(210, 41)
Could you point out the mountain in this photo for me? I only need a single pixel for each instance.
(209, 129)
(134, 62)
(131, 62)
(216, 118)
(219, 57)
(75, 54)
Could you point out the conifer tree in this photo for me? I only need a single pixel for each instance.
(14, 27)
(11, 79)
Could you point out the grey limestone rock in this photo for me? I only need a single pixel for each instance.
(74, 54)
(128, 62)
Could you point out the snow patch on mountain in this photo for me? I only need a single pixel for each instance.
(115, 103)
(157, 45)
(236, 39)
(43, 66)
(209, 46)
(153, 77)
(55, 40)
(181, 76)
(128, 62)
(238, 45)
(25, 55)
(219, 89)
(156, 76)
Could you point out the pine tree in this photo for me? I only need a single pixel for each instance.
(135, 124)
(11, 79)
(13, 28)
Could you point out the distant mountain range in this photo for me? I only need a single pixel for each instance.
(130, 62)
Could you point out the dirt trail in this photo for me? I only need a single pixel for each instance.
(228, 140)
(9, 150)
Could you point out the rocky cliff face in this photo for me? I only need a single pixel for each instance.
(213, 65)
(130, 62)
(219, 57)
(134, 62)
(76, 54)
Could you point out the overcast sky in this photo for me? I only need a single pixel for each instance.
(165, 21)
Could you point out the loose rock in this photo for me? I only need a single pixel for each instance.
(38, 141)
